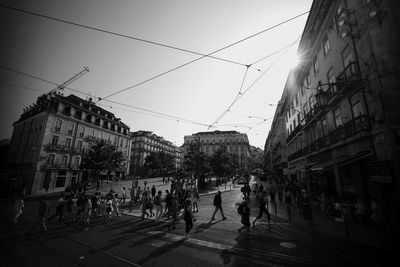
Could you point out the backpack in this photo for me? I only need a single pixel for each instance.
(240, 209)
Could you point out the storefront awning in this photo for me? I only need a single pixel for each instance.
(341, 161)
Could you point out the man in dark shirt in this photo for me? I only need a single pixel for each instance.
(218, 206)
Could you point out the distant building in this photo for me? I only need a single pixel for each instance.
(146, 142)
(50, 138)
(236, 143)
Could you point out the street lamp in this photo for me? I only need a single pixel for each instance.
(321, 96)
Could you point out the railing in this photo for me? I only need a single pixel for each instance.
(343, 132)
(294, 133)
(54, 165)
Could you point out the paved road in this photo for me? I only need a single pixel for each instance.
(129, 241)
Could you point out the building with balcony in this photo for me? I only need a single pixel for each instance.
(275, 158)
(50, 138)
(146, 142)
(342, 118)
(236, 143)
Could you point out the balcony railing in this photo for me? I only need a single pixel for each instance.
(348, 77)
(343, 132)
(54, 165)
(294, 133)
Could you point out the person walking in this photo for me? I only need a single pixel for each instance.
(262, 202)
(173, 210)
(87, 212)
(244, 212)
(158, 205)
(115, 204)
(144, 202)
(59, 209)
(288, 203)
(153, 192)
(218, 206)
(168, 203)
(195, 199)
(123, 196)
(188, 217)
(19, 206)
(43, 211)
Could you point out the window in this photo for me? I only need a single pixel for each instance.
(100, 135)
(315, 65)
(77, 161)
(79, 145)
(122, 142)
(115, 140)
(54, 141)
(70, 128)
(332, 79)
(126, 143)
(61, 177)
(47, 179)
(325, 44)
(337, 115)
(81, 131)
(51, 158)
(347, 56)
(64, 160)
(57, 127)
(74, 177)
(68, 142)
(356, 108)
(298, 118)
(92, 132)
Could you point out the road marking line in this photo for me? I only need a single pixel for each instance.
(189, 240)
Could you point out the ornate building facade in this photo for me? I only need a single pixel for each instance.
(236, 143)
(342, 118)
(50, 138)
(145, 142)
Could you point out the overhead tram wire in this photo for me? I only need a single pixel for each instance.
(160, 114)
(207, 55)
(156, 43)
(121, 35)
(238, 96)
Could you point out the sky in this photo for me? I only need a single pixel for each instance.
(143, 48)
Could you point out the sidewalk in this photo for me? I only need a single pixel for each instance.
(358, 232)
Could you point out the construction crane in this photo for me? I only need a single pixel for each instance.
(69, 81)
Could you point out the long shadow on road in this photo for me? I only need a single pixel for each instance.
(205, 226)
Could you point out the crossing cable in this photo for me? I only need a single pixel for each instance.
(155, 43)
(120, 34)
(240, 94)
(160, 114)
(207, 55)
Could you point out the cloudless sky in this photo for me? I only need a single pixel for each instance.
(199, 92)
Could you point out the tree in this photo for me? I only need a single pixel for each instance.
(219, 162)
(196, 163)
(101, 156)
(160, 163)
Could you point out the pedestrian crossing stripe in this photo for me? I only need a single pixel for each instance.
(189, 240)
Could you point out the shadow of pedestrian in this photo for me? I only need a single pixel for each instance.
(162, 250)
(205, 226)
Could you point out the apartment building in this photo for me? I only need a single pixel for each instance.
(145, 142)
(342, 118)
(236, 143)
(275, 156)
(50, 138)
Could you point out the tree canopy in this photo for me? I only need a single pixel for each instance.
(101, 156)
